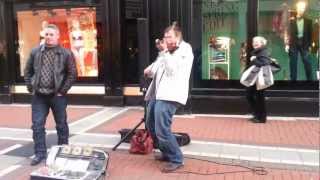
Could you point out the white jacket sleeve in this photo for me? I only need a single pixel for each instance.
(154, 66)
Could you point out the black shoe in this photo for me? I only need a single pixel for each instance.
(255, 120)
(170, 167)
(36, 160)
(252, 119)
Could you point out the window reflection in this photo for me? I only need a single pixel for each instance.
(292, 30)
(77, 32)
(223, 39)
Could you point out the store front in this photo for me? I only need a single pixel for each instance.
(85, 29)
(103, 35)
(222, 36)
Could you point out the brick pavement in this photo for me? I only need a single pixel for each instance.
(20, 116)
(297, 134)
(124, 166)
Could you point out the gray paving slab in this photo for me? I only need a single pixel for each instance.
(249, 153)
(13, 133)
(290, 157)
(204, 149)
(96, 140)
(230, 151)
(272, 155)
(27, 149)
(310, 158)
(6, 161)
(95, 119)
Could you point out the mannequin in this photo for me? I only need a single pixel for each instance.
(44, 24)
(77, 47)
(299, 41)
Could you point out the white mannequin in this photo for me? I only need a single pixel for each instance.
(44, 24)
(77, 46)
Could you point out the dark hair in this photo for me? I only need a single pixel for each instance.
(176, 28)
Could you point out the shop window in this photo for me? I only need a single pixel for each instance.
(292, 30)
(223, 40)
(78, 32)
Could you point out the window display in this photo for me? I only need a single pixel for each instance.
(77, 32)
(219, 58)
(290, 26)
(223, 39)
(292, 29)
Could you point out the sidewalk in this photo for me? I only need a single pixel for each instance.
(287, 147)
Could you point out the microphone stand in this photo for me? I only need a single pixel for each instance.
(131, 132)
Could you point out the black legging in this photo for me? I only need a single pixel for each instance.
(257, 103)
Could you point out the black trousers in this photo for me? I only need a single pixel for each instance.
(257, 103)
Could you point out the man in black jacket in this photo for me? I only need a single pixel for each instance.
(299, 41)
(49, 73)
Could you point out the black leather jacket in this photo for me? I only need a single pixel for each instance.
(307, 33)
(65, 72)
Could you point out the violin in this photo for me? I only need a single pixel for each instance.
(161, 45)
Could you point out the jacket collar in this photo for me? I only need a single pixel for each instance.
(259, 49)
(57, 49)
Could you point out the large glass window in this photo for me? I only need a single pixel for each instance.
(223, 39)
(78, 32)
(292, 30)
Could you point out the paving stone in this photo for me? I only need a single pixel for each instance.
(6, 161)
(249, 153)
(16, 133)
(229, 151)
(203, 149)
(303, 163)
(310, 158)
(290, 157)
(94, 120)
(270, 155)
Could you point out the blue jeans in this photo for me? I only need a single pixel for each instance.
(158, 122)
(40, 110)
(293, 54)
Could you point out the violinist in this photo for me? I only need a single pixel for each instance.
(167, 92)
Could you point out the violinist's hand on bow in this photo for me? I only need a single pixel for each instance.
(161, 45)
